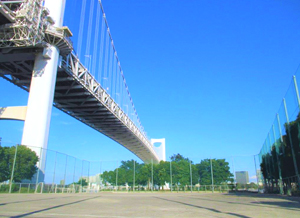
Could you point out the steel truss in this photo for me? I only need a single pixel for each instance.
(29, 29)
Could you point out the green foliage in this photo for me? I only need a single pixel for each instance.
(109, 177)
(178, 157)
(82, 182)
(278, 161)
(181, 172)
(25, 166)
(221, 172)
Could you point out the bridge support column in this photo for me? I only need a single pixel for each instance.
(41, 94)
(160, 150)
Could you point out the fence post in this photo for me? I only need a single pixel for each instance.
(273, 167)
(65, 171)
(256, 173)
(212, 176)
(234, 178)
(38, 172)
(152, 174)
(13, 169)
(298, 99)
(74, 174)
(278, 162)
(89, 176)
(81, 176)
(280, 131)
(117, 177)
(133, 175)
(297, 91)
(54, 169)
(292, 147)
(100, 174)
(171, 175)
(191, 176)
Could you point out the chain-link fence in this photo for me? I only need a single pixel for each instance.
(279, 157)
(23, 172)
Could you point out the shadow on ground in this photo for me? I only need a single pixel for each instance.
(259, 200)
(205, 208)
(50, 208)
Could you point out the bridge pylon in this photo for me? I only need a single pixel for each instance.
(41, 93)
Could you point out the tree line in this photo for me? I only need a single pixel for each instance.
(279, 161)
(180, 170)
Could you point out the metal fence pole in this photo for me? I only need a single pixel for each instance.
(297, 91)
(280, 131)
(171, 175)
(212, 176)
(74, 172)
(81, 176)
(65, 171)
(13, 169)
(256, 172)
(89, 184)
(133, 175)
(100, 174)
(278, 162)
(54, 169)
(117, 177)
(292, 147)
(152, 174)
(298, 99)
(273, 167)
(234, 178)
(38, 172)
(191, 176)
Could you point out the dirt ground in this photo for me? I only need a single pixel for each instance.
(148, 205)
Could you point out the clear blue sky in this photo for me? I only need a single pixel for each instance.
(208, 76)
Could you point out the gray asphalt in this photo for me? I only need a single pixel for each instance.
(148, 205)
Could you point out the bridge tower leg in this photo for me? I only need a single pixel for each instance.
(41, 93)
(160, 150)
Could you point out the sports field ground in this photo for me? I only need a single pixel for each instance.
(148, 205)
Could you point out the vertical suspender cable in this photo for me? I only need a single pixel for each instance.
(124, 88)
(106, 58)
(88, 57)
(81, 25)
(109, 78)
(101, 50)
(95, 52)
(114, 78)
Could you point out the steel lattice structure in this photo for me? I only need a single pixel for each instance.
(26, 29)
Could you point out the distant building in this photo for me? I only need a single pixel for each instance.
(242, 177)
(96, 179)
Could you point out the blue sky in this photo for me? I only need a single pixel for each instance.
(208, 76)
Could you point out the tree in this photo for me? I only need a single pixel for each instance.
(25, 164)
(82, 182)
(178, 157)
(162, 173)
(109, 177)
(4, 164)
(221, 172)
(144, 175)
(181, 167)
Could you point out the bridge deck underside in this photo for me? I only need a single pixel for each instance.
(72, 98)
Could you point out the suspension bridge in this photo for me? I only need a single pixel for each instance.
(71, 62)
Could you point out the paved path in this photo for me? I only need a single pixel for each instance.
(148, 205)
